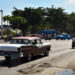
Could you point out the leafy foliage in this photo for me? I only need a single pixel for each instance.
(34, 20)
(9, 32)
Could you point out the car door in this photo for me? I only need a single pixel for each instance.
(37, 47)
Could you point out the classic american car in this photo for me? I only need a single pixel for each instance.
(24, 47)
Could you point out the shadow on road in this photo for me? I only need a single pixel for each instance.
(14, 63)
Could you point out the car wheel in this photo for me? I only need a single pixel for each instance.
(12, 62)
(29, 58)
(49, 39)
(7, 58)
(46, 53)
(72, 47)
(56, 38)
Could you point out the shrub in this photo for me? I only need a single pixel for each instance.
(9, 32)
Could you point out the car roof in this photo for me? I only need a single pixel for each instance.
(27, 37)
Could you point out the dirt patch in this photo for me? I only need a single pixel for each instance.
(36, 69)
(45, 65)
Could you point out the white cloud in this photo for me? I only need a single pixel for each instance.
(69, 2)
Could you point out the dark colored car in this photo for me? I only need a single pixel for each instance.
(49, 38)
(73, 42)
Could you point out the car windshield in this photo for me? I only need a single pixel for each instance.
(20, 41)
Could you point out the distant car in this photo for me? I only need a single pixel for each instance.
(35, 35)
(67, 36)
(49, 38)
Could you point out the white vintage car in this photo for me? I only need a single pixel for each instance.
(24, 47)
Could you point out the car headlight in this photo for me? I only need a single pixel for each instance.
(19, 49)
(21, 54)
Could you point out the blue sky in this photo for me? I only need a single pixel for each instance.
(7, 5)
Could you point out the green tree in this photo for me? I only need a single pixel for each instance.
(6, 18)
(71, 23)
(17, 22)
(56, 17)
(34, 18)
(17, 12)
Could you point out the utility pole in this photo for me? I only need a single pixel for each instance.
(1, 23)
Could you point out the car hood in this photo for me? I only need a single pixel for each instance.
(46, 44)
(10, 47)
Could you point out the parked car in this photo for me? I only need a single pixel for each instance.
(24, 47)
(49, 38)
(67, 36)
(73, 42)
(35, 35)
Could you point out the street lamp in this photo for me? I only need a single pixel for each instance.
(1, 23)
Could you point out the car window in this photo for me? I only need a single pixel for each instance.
(34, 41)
(20, 41)
(13, 41)
(37, 41)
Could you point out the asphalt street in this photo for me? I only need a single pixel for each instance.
(59, 56)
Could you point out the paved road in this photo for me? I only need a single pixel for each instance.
(60, 48)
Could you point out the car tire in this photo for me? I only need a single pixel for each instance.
(12, 62)
(29, 58)
(56, 38)
(72, 47)
(8, 60)
(46, 53)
